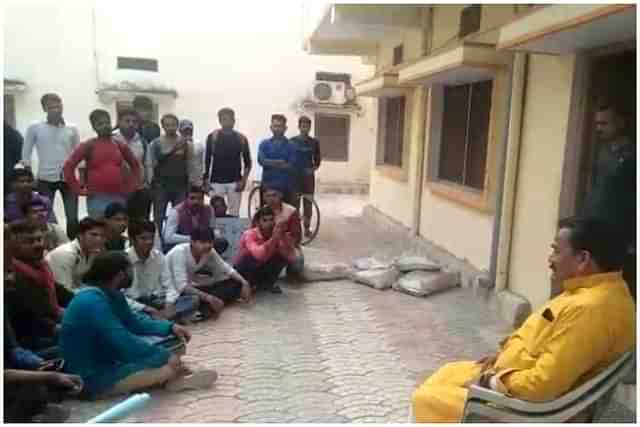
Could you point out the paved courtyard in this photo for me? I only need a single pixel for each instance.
(332, 352)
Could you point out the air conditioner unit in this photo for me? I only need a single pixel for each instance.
(326, 92)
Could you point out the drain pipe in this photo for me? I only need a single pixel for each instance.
(503, 224)
(425, 100)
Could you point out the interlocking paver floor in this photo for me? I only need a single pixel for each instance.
(321, 352)
(327, 352)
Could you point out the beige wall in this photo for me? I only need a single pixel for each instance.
(392, 195)
(544, 131)
(446, 21)
(362, 144)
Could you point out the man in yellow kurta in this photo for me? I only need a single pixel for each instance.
(569, 340)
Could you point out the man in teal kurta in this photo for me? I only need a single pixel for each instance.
(102, 339)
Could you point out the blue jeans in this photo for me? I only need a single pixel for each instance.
(186, 305)
(98, 202)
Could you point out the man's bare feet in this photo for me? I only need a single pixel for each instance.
(199, 380)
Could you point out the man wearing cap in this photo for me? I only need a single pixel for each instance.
(185, 127)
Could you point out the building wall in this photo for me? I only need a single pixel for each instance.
(446, 19)
(543, 139)
(463, 231)
(213, 61)
(392, 190)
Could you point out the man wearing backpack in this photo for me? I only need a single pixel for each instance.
(139, 201)
(171, 158)
(106, 158)
(227, 161)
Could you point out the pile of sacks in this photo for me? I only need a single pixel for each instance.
(413, 275)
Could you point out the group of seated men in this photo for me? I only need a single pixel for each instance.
(84, 306)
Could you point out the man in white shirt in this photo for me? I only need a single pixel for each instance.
(71, 261)
(197, 269)
(151, 276)
(55, 236)
(54, 140)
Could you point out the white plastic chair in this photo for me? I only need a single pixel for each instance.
(484, 405)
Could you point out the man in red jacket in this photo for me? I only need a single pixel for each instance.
(272, 244)
(105, 160)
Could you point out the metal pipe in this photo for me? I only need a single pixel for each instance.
(495, 235)
(503, 233)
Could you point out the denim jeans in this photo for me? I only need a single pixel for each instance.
(98, 202)
(186, 305)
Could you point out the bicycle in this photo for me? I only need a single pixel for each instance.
(254, 205)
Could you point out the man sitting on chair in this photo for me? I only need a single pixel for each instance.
(188, 216)
(566, 342)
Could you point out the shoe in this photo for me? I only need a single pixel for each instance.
(53, 414)
(199, 380)
(276, 289)
(307, 233)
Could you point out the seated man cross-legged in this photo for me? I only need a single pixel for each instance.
(102, 340)
(220, 284)
(152, 278)
(35, 300)
(36, 211)
(116, 219)
(188, 216)
(563, 344)
(265, 250)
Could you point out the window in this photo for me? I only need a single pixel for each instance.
(392, 130)
(333, 133)
(121, 105)
(465, 134)
(143, 64)
(398, 55)
(10, 110)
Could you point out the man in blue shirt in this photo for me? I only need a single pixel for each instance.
(277, 158)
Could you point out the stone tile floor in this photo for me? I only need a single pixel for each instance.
(321, 352)
(332, 352)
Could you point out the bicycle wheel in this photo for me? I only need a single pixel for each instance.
(314, 224)
(253, 204)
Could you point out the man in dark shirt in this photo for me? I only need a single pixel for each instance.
(148, 129)
(613, 197)
(307, 162)
(227, 152)
(12, 152)
(117, 220)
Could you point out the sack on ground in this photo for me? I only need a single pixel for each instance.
(317, 272)
(423, 283)
(415, 263)
(377, 279)
(370, 263)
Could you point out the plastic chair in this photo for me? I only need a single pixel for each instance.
(592, 397)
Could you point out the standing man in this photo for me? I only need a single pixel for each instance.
(13, 142)
(613, 197)
(147, 128)
(277, 158)
(171, 156)
(106, 180)
(185, 128)
(139, 201)
(227, 152)
(308, 160)
(54, 140)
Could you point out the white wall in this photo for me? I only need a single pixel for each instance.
(243, 54)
